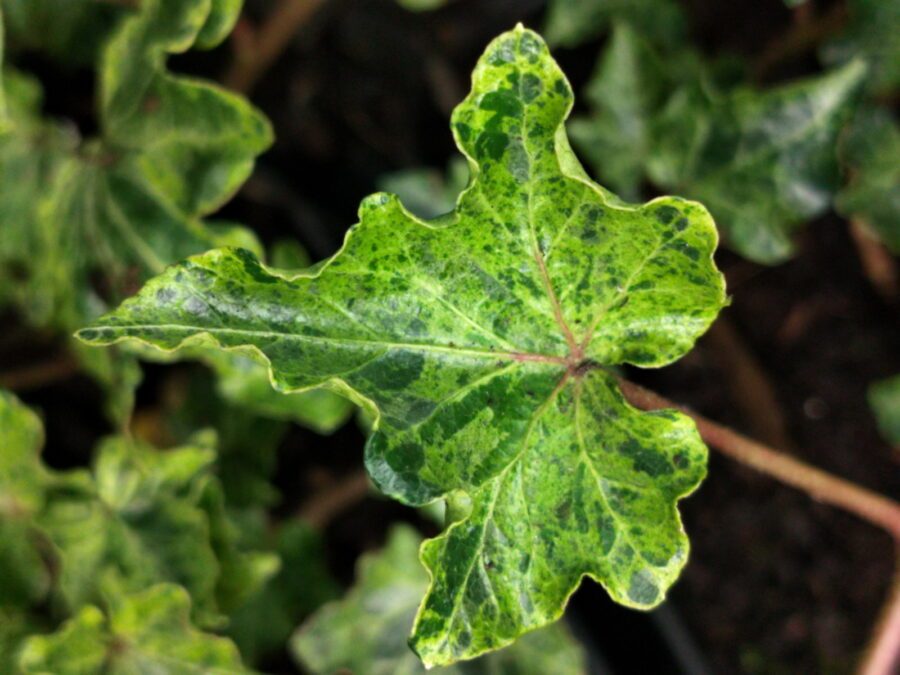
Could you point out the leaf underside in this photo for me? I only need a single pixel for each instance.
(481, 340)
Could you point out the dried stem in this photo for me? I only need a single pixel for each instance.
(878, 264)
(750, 387)
(818, 484)
(39, 375)
(801, 37)
(883, 653)
(325, 505)
(269, 41)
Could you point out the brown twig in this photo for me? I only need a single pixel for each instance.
(799, 39)
(883, 653)
(750, 387)
(257, 54)
(322, 508)
(39, 375)
(878, 265)
(819, 485)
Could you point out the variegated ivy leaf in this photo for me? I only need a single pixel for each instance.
(572, 22)
(763, 162)
(884, 397)
(366, 631)
(870, 150)
(148, 632)
(480, 341)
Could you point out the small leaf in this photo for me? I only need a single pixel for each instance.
(426, 192)
(884, 397)
(625, 94)
(480, 339)
(365, 632)
(764, 163)
(870, 150)
(572, 22)
(143, 633)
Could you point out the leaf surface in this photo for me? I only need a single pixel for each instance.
(870, 150)
(481, 341)
(763, 162)
(365, 631)
(148, 632)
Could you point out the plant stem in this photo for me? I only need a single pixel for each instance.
(269, 42)
(799, 38)
(37, 376)
(878, 264)
(751, 389)
(322, 508)
(883, 652)
(819, 485)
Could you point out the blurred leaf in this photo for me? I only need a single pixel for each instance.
(148, 632)
(427, 192)
(263, 625)
(763, 162)
(870, 150)
(873, 32)
(884, 397)
(15, 627)
(366, 631)
(626, 91)
(572, 22)
(421, 5)
(71, 31)
(453, 331)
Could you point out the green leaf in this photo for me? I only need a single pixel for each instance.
(870, 150)
(136, 519)
(263, 625)
(421, 5)
(146, 632)
(571, 22)
(70, 31)
(763, 162)
(871, 33)
(426, 192)
(365, 632)
(884, 397)
(625, 93)
(481, 341)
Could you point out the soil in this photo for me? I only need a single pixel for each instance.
(776, 583)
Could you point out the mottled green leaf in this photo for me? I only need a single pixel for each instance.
(763, 162)
(873, 32)
(366, 631)
(884, 397)
(148, 632)
(625, 93)
(572, 22)
(427, 193)
(870, 150)
(480, 339)
(263, 625)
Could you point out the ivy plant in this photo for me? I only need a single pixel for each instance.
(365, 631)
(482, 342)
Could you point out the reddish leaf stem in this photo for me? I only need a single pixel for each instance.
(883, 653)
(818, 484)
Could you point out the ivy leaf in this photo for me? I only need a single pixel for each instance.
(480, 340)
(871, 32)
(264, 623)
(870, 150)
(146, 632)
(573, 22)
(763, 162)
(365, 632)
(625, 92)
(884, 397)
